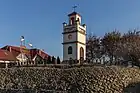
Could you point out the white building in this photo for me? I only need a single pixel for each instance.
(74, 38)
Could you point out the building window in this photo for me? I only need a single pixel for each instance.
(81, 52)
(78, 20)
(69, 50)
(72, 21)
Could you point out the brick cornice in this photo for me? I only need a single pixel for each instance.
(74, 32)
(73, 42)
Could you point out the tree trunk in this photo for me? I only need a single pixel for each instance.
(111, 59)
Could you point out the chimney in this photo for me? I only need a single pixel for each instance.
(10, 49)
(39, 51)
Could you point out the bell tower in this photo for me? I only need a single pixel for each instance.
(74, 38)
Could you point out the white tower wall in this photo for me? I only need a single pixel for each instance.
(74, 38)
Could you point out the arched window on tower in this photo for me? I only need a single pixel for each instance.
(69, 50)
(72, 21)
(78, 21)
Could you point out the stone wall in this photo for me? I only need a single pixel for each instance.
(73, 80)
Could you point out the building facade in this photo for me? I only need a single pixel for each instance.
(74, 38)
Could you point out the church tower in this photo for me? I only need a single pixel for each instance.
(74, 38)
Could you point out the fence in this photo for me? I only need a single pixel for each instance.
(75, 63)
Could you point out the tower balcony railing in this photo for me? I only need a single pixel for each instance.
(69, 26)
(81, 27)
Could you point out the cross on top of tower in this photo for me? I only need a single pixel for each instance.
(74, 12)
(74, 7)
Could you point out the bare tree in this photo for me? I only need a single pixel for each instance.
(93, 47)
(125, 47)
(129, 47)
(110, 44)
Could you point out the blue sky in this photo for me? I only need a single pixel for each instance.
(40, 21)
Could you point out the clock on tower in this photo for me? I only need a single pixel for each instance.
(69, 36)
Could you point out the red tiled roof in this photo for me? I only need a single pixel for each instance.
(17, 50)
(43, 54)
(6, 56)
(29, 52)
